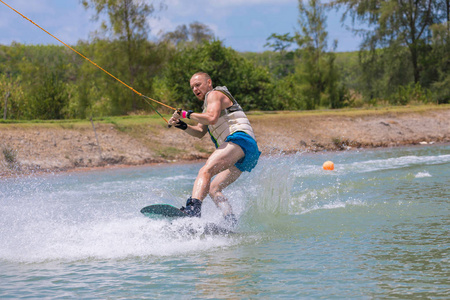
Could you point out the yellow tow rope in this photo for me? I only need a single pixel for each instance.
(131, 88)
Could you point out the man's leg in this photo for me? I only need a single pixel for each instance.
(221, 181)
(223, 158)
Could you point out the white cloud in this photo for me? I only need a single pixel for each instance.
(185, 12)
(161, 25)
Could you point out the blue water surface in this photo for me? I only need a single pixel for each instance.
(378, 226)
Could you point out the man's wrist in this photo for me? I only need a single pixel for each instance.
(186, 114)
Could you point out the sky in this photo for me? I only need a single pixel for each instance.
(243, 25)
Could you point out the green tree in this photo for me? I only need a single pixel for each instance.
(49, 97)
(282, 64)
(99, 94)
(395, 23)
(39, 75)
(193, 35)
(315, 68)
(11, 93)
(128, 29)
(250, 85)
(440, 62)
(12, 98)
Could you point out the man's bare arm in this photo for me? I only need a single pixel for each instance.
(216, 103)
(197, 131)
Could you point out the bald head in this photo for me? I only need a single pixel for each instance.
(202, 74)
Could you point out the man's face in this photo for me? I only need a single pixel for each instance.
(200, 86)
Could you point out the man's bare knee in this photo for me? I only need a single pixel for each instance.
(213, 193)
(217, 197)
(205, 171)
(209, 170)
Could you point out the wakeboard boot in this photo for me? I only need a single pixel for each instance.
(193, 207)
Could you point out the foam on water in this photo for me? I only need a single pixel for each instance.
(422, 175)
(48, 240)
(283, 188)
(79, 217)
(395, 163)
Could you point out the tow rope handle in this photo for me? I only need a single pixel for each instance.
(179, 111)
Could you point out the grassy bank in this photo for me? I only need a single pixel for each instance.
(134, 140)
(122, 122)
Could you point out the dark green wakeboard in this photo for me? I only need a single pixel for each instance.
(170, 211)
(162, 210)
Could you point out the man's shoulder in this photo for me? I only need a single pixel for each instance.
(215, 95)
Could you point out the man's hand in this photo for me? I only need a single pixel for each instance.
(182, 114)
(181, 125)
(177, 114)
(175, 117)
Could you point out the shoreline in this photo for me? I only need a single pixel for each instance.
(43, 148)
(184, 162)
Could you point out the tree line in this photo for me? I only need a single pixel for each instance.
(404, 58)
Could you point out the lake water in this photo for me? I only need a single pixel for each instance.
(378, 226)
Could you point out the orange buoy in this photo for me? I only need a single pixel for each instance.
(328, 165)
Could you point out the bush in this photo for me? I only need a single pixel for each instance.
(49, 98)
(411, 93)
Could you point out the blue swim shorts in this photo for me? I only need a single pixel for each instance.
(250, 148)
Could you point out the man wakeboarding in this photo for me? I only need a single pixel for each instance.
(230, 130)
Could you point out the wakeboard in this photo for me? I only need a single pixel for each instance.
(162, 211)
